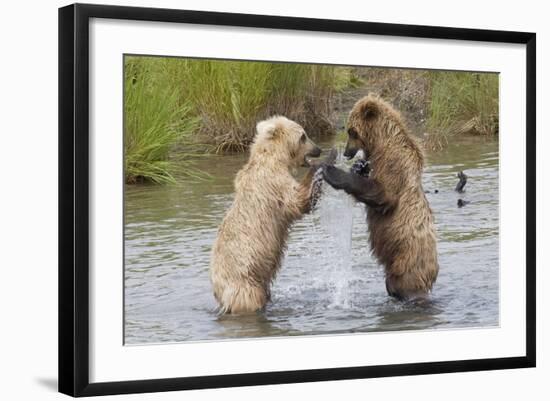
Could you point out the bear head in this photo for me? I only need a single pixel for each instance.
(371, 124)
(285, 141)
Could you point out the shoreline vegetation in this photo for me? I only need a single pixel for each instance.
(176, 110)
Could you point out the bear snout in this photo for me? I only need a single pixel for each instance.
(350, 152)
(315, 152)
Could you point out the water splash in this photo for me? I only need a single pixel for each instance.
(335, 209)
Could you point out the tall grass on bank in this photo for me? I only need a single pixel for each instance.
(230, 97)
(155, 120)
(462, 103)
(173, 104)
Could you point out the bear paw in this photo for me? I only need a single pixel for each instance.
(316, 188)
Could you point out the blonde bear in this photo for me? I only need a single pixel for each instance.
(252, 237)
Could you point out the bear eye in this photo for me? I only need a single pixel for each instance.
(352, 133)
(303, 138)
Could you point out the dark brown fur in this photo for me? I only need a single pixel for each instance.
(402, 233)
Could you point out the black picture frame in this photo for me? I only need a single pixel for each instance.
(74, 198)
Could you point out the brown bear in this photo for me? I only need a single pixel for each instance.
(400, 221)
(268, 199)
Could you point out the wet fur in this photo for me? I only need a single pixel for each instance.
(268, 199)
(400, 221)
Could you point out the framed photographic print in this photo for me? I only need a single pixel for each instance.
(251, 199)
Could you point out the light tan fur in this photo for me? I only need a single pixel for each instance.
(402, 236)
(268, 199)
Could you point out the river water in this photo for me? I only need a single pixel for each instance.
(329, 282)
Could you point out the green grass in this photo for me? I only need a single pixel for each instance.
(173, 104)
(230, 97)
(461, 103)
(155, 121)
(177, 109)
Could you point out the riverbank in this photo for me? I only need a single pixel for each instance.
(177, 110)
(436, 105)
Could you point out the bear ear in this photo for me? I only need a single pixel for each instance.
(369, 110)
(267, 128)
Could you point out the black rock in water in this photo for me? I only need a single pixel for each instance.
(462, 179)
(462, 203)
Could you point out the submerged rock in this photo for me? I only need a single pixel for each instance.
(462, 202)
